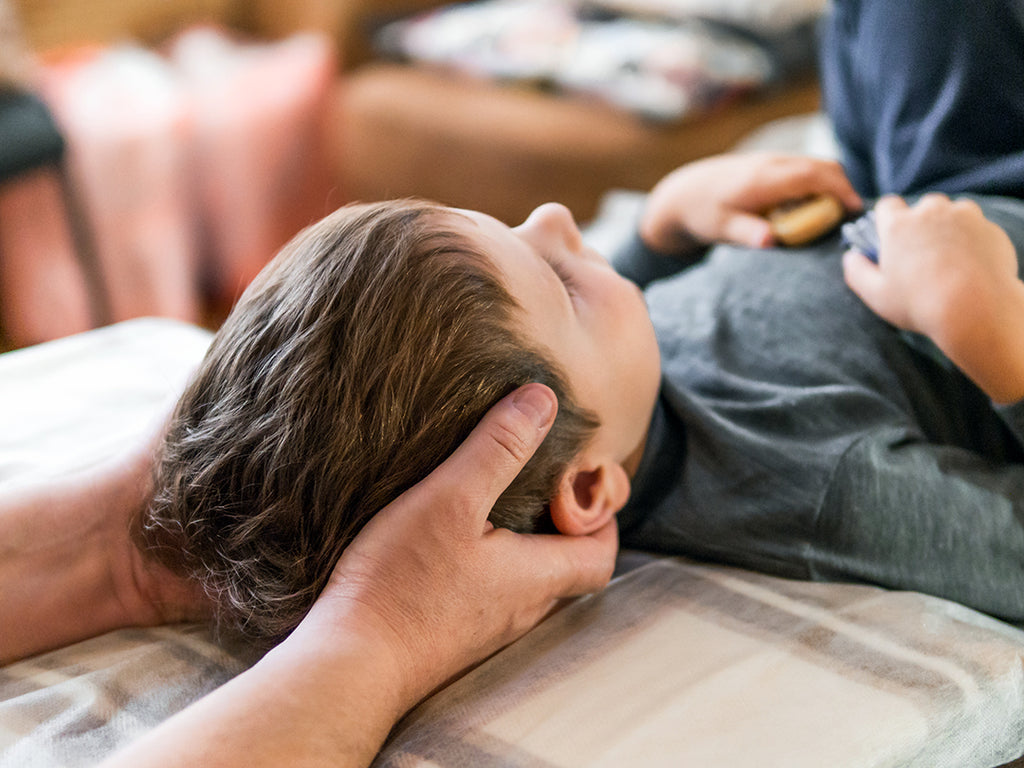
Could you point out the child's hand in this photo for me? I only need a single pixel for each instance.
(724, 198)
(939, 261)
(946, 271)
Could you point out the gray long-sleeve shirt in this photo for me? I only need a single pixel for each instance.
(799, 434)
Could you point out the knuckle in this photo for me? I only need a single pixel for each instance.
(967, 206)
(810, 169)
(933, 201)
(511, 442)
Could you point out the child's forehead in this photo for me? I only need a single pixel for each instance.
(470, 222)
(484, 230)
(492, 239)
(519, 266)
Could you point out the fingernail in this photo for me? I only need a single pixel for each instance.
(536, 404)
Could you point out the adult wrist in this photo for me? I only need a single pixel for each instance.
(337, 645)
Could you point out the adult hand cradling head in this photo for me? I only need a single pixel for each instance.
(436, 583)
(427, 589)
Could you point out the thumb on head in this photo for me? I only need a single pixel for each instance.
(469, 482)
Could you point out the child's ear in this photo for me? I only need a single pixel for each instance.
(588, 497)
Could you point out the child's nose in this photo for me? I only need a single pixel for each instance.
(555, 220)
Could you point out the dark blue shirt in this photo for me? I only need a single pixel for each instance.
(927, 95)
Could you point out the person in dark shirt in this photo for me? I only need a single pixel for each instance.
(925, 95)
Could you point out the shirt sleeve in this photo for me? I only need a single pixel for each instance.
(1013, 416)
(635, 261)
(905, 513)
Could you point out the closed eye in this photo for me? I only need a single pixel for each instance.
(566, 276)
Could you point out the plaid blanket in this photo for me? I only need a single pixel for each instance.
(684, 664)
(74, 706)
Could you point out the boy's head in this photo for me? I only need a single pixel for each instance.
(354, 364)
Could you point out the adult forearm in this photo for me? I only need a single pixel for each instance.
(68, 567)
(310, 702)
(57, 582)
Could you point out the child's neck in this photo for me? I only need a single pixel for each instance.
(632, 462)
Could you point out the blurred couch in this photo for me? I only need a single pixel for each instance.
(400, 130)
(190, 156)
(389, 130)
(472, 142)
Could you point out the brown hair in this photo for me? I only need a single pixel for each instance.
(355, 363)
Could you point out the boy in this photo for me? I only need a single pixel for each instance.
(352, 366)
(795, 432)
